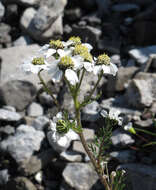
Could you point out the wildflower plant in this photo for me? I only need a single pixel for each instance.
(70, 61)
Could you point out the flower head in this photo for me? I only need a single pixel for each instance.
(34, 65)
(80, 49)
(75, 40)
(66, 62)
(104, 65)
(56, 44)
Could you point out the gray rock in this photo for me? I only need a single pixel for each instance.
(4, 177)
(123, 77)
(22, 145)
(125, 7)
(17, 93)
(140, 97)
(71, 156)
(141, 55)
(46, 100)
(9, 108)
(21, 183)
(34, 110)
(124, 156)
(7, 130)
(119, 104)
(91, 112)
(17, 55)
(26, 3)
(22, 41)
(112, 46)
(2, 11)
(121, 139)
(6, 115)
(40, 123)
(30, 26)
(5, 37)
(103, 7)
(145, 175)
(87, 33)
(78, 147)
(37, 162)
(144, 123)
(79, 176)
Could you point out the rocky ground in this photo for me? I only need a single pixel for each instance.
(125, 29)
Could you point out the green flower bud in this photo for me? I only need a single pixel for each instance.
(56, 44)
(62, 126)
(75, 40)
(79, 49)
(38, 61)
(66, 62)
(103, 59)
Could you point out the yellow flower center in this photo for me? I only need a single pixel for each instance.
(80, 49)
(75, 40)
(56, 44)
(66, 62)
(87, 56)
(103, 59)
(38, 61)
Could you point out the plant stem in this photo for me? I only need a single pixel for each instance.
(97, 168)
(82, 75)
(48, 90)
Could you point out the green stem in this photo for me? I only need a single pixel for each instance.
(48, 90)
(82, 75)
(93, 160)
(92, 91)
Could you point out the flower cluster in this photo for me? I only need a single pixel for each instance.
(67, 59)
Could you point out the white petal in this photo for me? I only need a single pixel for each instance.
(97, 69)
(57, 76)
(49, 52)
(65, 52)
(71, 76)
(90, 47)
(43, 48)
(106, 69)
(113, 68)
(78, 64)
(68, 43)
(88, 66)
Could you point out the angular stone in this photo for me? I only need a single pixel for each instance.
(140, 173)
(17, 93)
(124, 156)
(15, 56)
(37, 162)
(20, 183)
(144, 123)
(4, 177)
(125, 7)
(34, 110)
(79, 176)
(4, 34)
(71, 156)
(23, 143)
(6, 115)
(121, 139)
(46, 100)
(141, 92)
(22, 41)
(40, 123)
(26, 3)
(2, 11)
(141, 55)
(91, 112)
(78, 147)
(87, 33)
(27, 24)
(123, 76)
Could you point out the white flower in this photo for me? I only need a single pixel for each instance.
(107, 69)
(129, 127)
(113, 115)
(70, 74)
(60, 142)
(29, 67)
